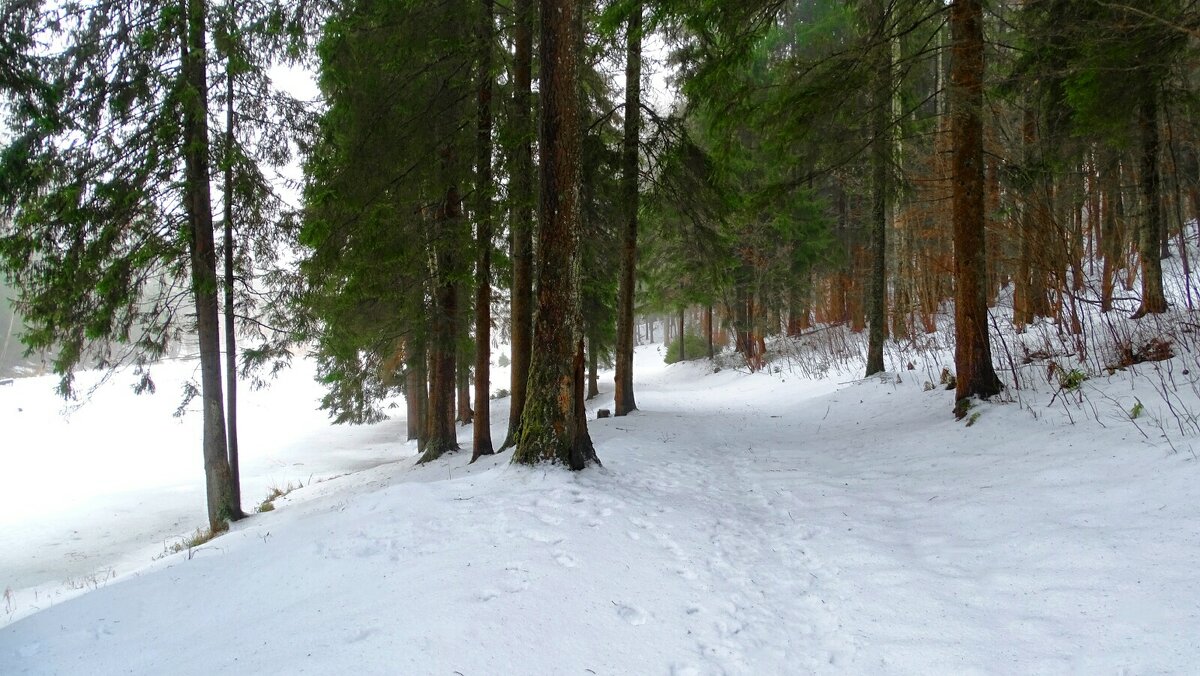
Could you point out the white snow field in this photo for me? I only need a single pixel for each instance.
(741, 524)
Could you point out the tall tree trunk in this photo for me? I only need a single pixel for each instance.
(522, 216)
(441, 435)
(201, 243)
(1026, 288)
(623, 391)
(552, 427)
(1151, 235)
(1110, 235)
(231, 360)
(881, 148)
(482, 433)
(972, 348)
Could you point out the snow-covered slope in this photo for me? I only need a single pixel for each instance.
(742, 524)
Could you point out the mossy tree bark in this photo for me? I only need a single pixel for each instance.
(552, 427)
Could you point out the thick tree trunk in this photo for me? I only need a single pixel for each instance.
(441, 434)
(231, 361)
(522, 216)
(623, 390)
(201, 244)
(553, 428)
(482, 433)
(1151, 235)
(972, 348)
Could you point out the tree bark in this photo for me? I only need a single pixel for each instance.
(441, 435)
(682, 344)
(553, 428)
(708, 328)
(593, 374)
(462, 371)
(426, 358)
(972, 348)
(881, 148)
(522, 217)
(482, 433)
(414, 386)
(231, 361)
(1151, 236)
(623, 390)
(201, 243)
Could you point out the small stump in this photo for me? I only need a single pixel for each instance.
(603, 413)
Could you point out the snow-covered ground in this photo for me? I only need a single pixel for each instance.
(91, 492)
(741, 524)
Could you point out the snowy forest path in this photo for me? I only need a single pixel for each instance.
(741, 524)
(694, 485)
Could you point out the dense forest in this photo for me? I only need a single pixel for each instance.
(478, 174)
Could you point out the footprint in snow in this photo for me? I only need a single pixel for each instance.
(565, 560)
(363, 635)
(515, 585)
(685, 573)
(631, 614)
(516, 578)
(538, 536)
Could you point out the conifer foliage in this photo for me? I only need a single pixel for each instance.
(823, 164)
(108, 182)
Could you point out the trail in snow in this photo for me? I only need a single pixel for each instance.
(741, 525)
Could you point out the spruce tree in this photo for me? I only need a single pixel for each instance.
(386, 227)
(107, 181)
